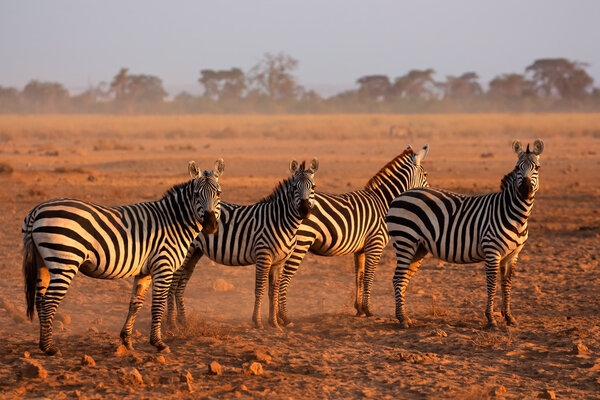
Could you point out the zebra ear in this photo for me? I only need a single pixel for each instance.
(314, 164)
(219, 168)
(193, 169)
(517, 147)
(420, 156)
(538, 147)
(293, 166)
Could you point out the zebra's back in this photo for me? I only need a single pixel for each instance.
(340, 223)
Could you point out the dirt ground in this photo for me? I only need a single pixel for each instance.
(328, 353)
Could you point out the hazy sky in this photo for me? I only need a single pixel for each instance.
(79, 43)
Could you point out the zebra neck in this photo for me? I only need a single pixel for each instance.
(178, 210)
(387, 187)
(520, 207)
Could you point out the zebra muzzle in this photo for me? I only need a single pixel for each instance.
(304, 208)
(209, 223)
(526, 189)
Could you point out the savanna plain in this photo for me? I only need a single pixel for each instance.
(554, 352)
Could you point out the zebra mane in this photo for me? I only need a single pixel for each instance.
(508, 179)
(279, 189)
(176, 188)
(373, 181)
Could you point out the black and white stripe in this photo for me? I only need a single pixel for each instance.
(466, 229)
(146, 240)
(354, 222)
(263, 234)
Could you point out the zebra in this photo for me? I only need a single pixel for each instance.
(466, 229)
(146, 240)
(353, 222)
(263, 234)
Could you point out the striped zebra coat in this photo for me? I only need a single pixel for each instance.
(354, 222)
(263, 234)
(146, 240)
(466, 229)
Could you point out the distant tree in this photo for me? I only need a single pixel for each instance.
(374, 87)
(10, 99)
(462, 87)
(272, 76)
(119, 83)
(45, 96)
(223, 84)
(559, 77)
(145, 89)
(511, 86)
(417, 84)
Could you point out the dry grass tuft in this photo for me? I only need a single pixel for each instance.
(6, 168)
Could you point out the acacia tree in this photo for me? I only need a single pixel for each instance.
(374, 87)
(45, 96)
(462, 87)
(559, 77)
(223, 84)
(272, 76)
(511, 86)
(130, 90)
(416, 84)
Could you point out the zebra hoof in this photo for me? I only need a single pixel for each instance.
(491, 326)
(368, 313)
(404, 323)
(164, 350)
(510, 320)
(51, 350)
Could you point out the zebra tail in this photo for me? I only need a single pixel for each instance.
(30, 272)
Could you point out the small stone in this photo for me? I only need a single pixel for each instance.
(242, 388)
(88, 360)
(254, 369)
(221, 285)
(160, 360)
(60, 396)
(100, 386)
(580, 349)
(33, 369)
(93, 329)
(59, 326)
(64, 318)
(547, 394)
(439, 333)
(130, 376)
(121, 350)
(261, 355)
(186, 376)
(26, 354)
(214, 368)
(77, 393)
(498, 391)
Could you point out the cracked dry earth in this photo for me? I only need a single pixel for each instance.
(327, 353)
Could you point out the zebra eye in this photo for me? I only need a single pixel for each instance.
(219, 193)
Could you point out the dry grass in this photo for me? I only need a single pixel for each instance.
(337, 126)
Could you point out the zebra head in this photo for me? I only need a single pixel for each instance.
(303, 186)
(527, 168)
(418, 175)
(207, 195)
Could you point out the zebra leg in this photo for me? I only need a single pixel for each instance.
(408, 259)
(263, 265)
(176, 290)
(372, 256)
(55, 285)
(506, 269)
(274, 277)
(161, 281)
(289, 269)
(492, 265)
(140, 287)
(359, 274)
